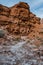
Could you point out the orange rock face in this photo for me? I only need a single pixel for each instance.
(4, 10)
(19, 20)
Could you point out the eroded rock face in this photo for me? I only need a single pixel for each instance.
(21, 36)
(41, 20)
(4, 10)
(18, 19)
(4, 14)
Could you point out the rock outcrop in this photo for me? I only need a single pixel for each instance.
(41, 20)
(21, 36)
(18, 19)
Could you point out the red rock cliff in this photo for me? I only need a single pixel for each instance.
(18, 19)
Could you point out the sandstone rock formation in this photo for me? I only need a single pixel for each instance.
(41, 20)
(18, 19)
(21, 36)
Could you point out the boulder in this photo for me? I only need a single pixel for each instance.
(2, 33)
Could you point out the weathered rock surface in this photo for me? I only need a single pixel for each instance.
(41, 20)
(21, 36)
(18, 19)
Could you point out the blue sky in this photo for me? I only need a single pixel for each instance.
(36, 6)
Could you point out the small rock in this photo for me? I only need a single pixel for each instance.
(2, 33)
